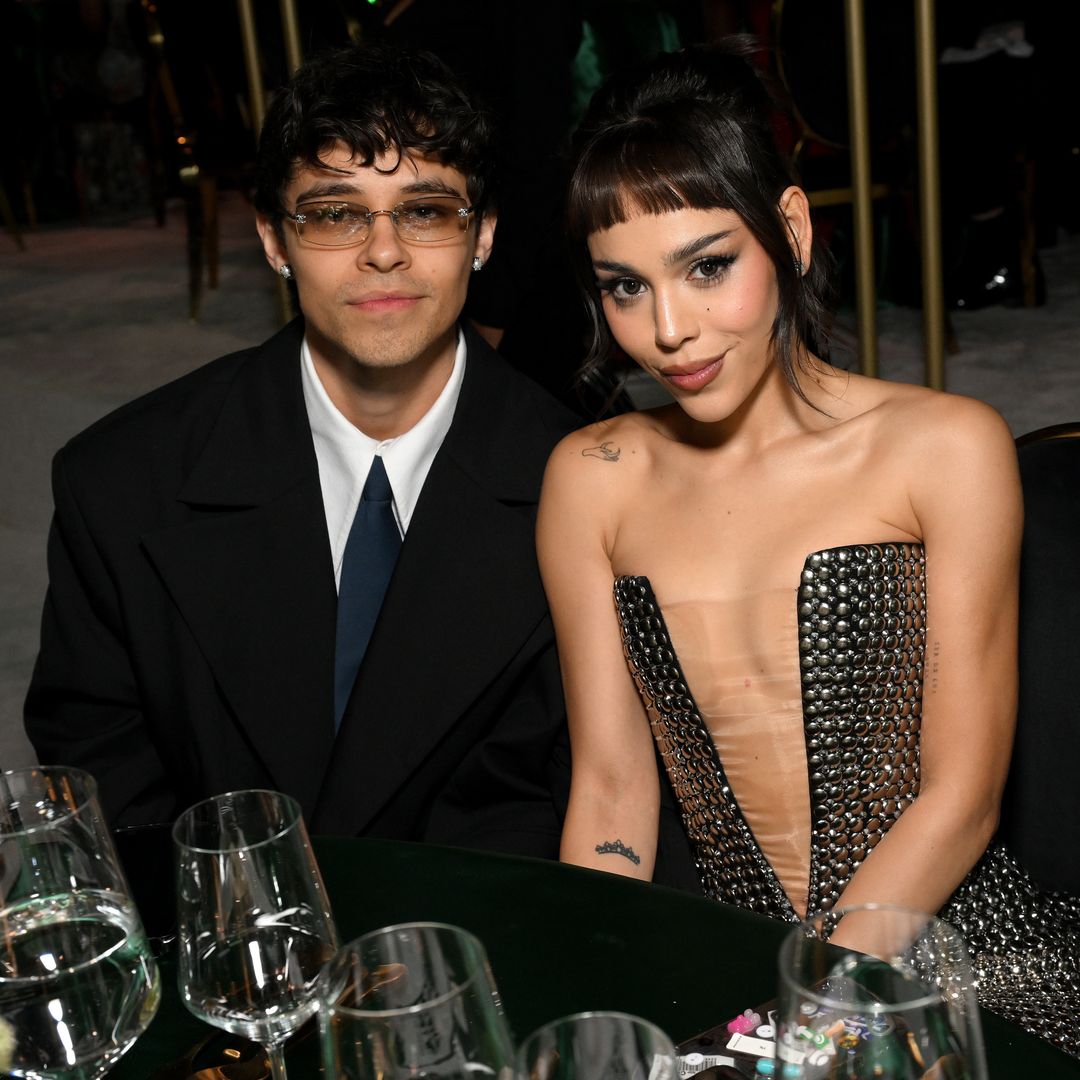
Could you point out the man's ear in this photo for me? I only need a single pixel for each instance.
(485, 234)
(795, 208)
(272, 241)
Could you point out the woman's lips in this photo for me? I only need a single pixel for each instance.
(695, 378)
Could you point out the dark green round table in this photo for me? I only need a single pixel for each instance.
(562, 940)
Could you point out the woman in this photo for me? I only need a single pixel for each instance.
(824, 646)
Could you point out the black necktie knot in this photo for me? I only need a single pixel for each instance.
(377, 485)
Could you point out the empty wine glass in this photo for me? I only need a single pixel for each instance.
(412, 1001)
(78, 984)
(597, 1046)
(899, 1007)
(254, 922)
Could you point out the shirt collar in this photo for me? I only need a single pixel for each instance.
(345, 453)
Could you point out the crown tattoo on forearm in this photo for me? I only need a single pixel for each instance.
(617, 847)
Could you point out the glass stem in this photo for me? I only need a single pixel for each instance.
(276, 1054)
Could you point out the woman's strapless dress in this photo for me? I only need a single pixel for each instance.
(786, 782)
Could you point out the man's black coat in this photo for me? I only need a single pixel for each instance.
(188, 632)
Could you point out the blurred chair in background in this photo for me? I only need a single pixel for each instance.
(1041, 811)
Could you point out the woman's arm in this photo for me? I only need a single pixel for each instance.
(965, 494)
(611, 820)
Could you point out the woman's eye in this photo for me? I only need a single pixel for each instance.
(712, 267)
(622, 290)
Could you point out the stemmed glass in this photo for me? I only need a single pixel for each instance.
(412, 1001)
(78, 983)
(254, 922)
(597, 1046)
(899, 1007)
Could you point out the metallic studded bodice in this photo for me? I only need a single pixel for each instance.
(861, 644)
(862, 639)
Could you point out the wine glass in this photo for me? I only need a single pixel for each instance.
(78, 983)
(254, 923)
(597, 1046)
(412, 1001)
(897, 1003)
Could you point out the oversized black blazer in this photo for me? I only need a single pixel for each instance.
(188, 631)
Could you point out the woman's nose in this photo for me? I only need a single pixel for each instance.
(675, 321)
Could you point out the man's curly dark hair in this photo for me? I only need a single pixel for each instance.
(375, 100)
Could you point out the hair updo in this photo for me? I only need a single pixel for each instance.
(694, 129)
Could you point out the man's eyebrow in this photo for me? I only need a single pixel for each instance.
(328, 188)
(430, 185)
(690, 249)
(322, 189)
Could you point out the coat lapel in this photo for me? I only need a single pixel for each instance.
(464, 597)
(250, 568)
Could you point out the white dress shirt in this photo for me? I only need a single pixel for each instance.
(345, 453)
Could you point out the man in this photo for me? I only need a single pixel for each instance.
(193, 638)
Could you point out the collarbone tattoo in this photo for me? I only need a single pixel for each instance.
(605, 452)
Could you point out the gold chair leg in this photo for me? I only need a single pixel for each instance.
(933, 277)
(252, 65)
(290, 28)
(208, 195)
(195, 234)
(862, 206)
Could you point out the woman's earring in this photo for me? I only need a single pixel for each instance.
(285, 270)
(477, 263)
(799, 267)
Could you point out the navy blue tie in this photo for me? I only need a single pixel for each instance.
(370, 554)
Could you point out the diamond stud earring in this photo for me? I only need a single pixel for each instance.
(285, 270)
(477, 263)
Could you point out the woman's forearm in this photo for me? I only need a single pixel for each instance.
(923, 858)
(611, 831)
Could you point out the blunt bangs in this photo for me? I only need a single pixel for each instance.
(651, 166)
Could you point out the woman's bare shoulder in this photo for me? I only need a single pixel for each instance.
(592, 477)
(595, 473)
(928, 422)
(629, 441)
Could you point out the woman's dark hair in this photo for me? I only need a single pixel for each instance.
(375, 100)
(694, 129)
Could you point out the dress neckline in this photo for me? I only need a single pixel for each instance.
(900, 547)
